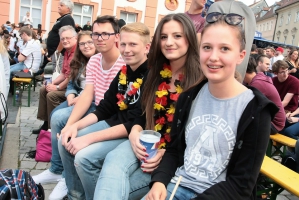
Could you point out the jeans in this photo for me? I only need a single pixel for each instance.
(16, 68)
(82, 170)
(58, 121)
(181, 192)
(291, 130)
(121, 177)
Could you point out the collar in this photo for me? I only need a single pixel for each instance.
(72, 50)
(63, 16)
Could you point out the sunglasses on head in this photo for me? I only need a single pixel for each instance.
(231, 18)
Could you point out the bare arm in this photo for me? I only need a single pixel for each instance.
(21, 57)
(287, 99)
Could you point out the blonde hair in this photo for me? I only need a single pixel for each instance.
(3, 50)
(139, 28)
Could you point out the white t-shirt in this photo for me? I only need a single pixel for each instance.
(32, 52)
(27, 20)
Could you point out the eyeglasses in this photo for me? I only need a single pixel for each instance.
(82, 44)
(104, 36)
(283, 72)
(231, 18)
(66, 38)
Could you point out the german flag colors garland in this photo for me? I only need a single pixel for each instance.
(165, 104)
(123, 97)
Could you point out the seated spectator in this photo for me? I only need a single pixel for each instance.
(99, 75)
(263, 64)
(27, 19)
(293, 61)
(279, 52)
(92, 137)
(292, 125)
(265, 85)
(30, 57)
(51, 95)
(286, 85)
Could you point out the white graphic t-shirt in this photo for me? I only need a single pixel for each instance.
(210, 137)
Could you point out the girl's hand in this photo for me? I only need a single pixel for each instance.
(70, 99)
(139, 150)
(70, 132)
(151, 164)
(158, 192)
(292, 119)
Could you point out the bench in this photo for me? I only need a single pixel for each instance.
(281, 178)
(23, 83)
(277, 141)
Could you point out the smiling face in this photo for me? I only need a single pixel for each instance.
(133, 49)
(86, 46)
(68, 40)
(294, 55)
(174, 44)
(220, 53)
(104, 45)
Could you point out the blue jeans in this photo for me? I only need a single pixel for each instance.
(16, 68)
(181, 192)
(58, 121)
(82, 170)
(291, 130)
(121, 176)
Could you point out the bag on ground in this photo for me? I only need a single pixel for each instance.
(43, 147)
(18, 184)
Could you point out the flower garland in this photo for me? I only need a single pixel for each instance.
(164, 109)
(124, 97)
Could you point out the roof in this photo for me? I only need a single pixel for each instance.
(269, 13)
(285, 3)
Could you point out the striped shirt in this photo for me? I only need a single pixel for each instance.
(100, 78)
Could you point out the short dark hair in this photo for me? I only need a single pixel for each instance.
(7, 22)
(279, 64)
(253, 47)
(251, 67)
(260, 58)
(121, 23)
(26, 30)
(107, 19)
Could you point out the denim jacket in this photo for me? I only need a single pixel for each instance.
(74, 87)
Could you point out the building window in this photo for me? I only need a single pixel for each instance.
(128, 17)
(297, 17)
(293, 39)
(285, 39)
(264, 27)
(35, 9)
(260, 28)
(289, 19)
(277, 39)
(82, 14)
(281, 21)
(267, 26)
(271, 25)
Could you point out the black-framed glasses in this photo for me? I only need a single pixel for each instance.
(231, 18)
(104, 36)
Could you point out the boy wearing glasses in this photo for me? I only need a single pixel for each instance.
(286, 85)
(100, 71)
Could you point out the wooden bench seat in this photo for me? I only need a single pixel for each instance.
(283, 177)
(277, 141)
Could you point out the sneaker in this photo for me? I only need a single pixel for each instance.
(60, 191)
(46, 177)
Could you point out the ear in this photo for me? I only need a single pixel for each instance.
(241, 57)
(117, 37)
(147, 47)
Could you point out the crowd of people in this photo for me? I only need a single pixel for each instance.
(115, 81)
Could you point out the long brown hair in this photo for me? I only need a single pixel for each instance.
(288, 58)
(79, 60)
(156, 59)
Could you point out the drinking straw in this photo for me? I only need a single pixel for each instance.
(175, 187)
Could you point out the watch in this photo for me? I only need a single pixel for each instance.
(57, 87)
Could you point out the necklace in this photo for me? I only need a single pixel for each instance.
(164, 105)
(124, 95)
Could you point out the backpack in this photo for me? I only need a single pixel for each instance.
(291, 159)
(18, 184)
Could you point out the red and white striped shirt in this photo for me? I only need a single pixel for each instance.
(100, 78)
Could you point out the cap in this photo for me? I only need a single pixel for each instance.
(280, 49)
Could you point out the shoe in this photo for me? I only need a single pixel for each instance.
(60, 191)
(46, 177)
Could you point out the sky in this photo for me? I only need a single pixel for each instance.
(249, 2)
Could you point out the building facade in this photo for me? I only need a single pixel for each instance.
(287, 25)
(258, 6)
(44, 12)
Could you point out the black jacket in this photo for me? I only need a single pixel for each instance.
(53, 36)
(108, 109)
(249, 150)
(87, 27)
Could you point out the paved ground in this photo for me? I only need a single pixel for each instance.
(19, 140)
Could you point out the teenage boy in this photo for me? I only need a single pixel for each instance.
(263, 64)
(100, 71)
(286, 85)
(85, 145)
